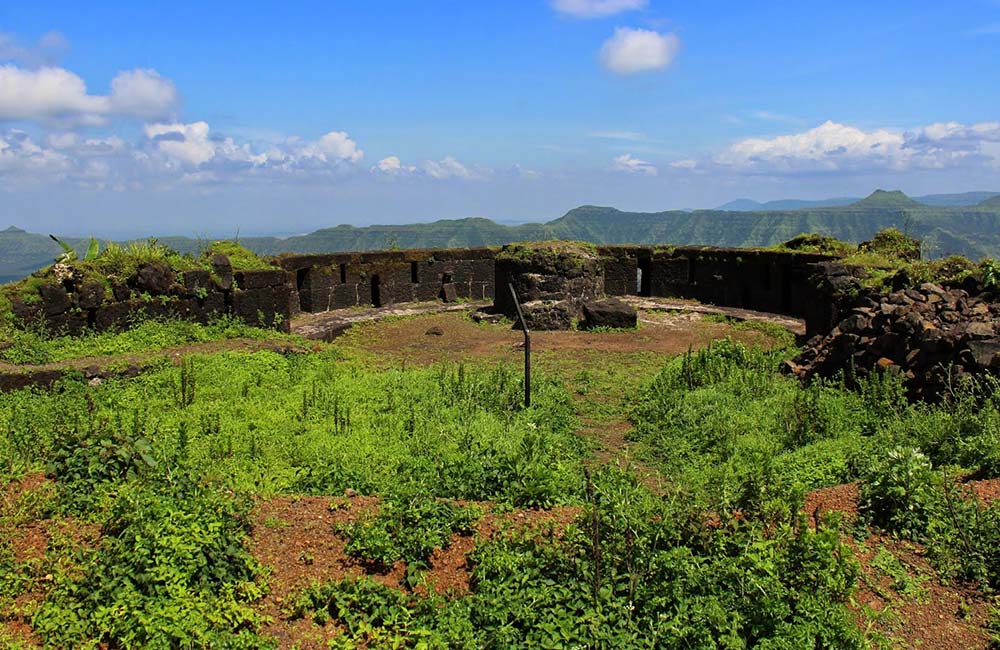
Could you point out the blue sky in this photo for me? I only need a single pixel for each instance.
(149, 118)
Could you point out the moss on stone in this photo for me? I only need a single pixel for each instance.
(816, 243)
(241, 258)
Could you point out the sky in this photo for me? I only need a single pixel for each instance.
(210, 119)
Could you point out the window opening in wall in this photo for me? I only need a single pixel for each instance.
(300, 279)
(343, 273)
(376, 291)
(643, 277)
(413, 273)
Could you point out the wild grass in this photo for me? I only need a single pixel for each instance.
(34, 346)
(722, 423)
(166, 462)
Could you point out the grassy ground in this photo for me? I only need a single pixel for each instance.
(34, 348)
(389, 490)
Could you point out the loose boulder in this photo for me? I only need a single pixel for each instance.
(608, 312)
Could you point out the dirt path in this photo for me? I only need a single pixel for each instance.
(328, 325)
(602, 370)
(793, 325)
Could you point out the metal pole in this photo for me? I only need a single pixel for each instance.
(527, 346)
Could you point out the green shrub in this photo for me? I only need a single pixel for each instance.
(171, 571)
(816, 243)
(409, 526)
(376, 616)
(893, 244)
(86, 458)
(122, 261)
(990, 270)
(901, 492)
(634, 571)
(240, 257)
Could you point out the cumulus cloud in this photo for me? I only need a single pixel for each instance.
(596, 8)
(22, 156)
(631, 51)
(52, 94)
(444, 169)
(631, 165)
(832, 147)
(393, 166)
(142, 93)
(334, 147)
(84, 162)
(447, 168)
(205, 157)
(187, 143)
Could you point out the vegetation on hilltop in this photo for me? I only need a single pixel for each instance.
(165, 465)
(813, 243)
(892, 200)
(115, 264)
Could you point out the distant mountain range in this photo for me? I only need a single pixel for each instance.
(946, 229)
(962, 200)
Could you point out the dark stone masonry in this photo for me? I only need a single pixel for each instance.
(259, 298)
(934, 335)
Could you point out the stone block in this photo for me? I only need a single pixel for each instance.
(609, 312)
(55, 300)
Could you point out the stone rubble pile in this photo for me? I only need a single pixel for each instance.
(934, 335)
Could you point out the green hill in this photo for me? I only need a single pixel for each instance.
(973, 231)
(883, 200)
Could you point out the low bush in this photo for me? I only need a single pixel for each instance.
(409, 526)
(635, 571)
(171, 571)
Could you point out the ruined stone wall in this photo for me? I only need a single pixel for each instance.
(260, 298)
(762, 280)
(340, 280)
(772, 281)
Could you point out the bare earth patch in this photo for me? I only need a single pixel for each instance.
(295, 538)
(31, 532)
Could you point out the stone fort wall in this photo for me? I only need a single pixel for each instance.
(762, 280)
(773, 281)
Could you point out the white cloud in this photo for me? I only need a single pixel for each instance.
(596, 8)
(57, 95)
(21, 157)
(333, 147)
(832, 147)
(631, 51)
(143, 93)
(389, 164)
(44, 94)
(631, 165)
(188, 143)
(446, 168)
(392, 166)
(191, 154)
